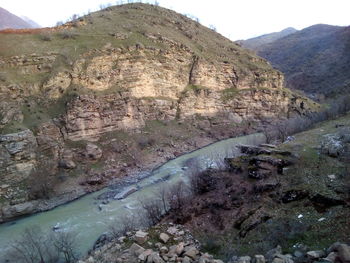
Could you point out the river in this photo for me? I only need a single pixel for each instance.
(88, 218)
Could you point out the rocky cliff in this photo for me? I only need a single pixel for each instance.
(141, 82)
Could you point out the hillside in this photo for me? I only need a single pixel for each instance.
(258, 43)
(119, 91)
(314, 59)
(295, 195)
(8, 20)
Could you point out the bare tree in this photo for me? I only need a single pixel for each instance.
(65, 244)
(270, 134)
(33, 247)
(162, 194)
(123, 225)
(178, 196)
(153, 209)
(212, 27)
(41, 182)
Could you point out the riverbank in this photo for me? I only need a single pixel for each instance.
(87, 211)
(107, 172)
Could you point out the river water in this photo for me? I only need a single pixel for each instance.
(88, 219)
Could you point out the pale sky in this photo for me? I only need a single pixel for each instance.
(235, 19)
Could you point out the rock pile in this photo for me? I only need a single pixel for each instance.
(173, 243)
(159, 244)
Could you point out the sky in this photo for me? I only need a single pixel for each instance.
(235, 19)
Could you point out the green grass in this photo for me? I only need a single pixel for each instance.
(194, 88)
(229, 94)
(141, 20)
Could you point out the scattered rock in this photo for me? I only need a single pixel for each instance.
(93, 152)
(144, 255)
(331, 257)
(332, 145)
(343, 253)
(141, 237)
(294, 195)
(136, 249)
(191, 252)
(125, 193)
(259, 259)
(245, 259)
(316, 254)
(164, 237)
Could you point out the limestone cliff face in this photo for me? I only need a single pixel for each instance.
(18, 155)
(147, 84)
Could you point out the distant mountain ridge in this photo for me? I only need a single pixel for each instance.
(9, 20)
(315, 59)
(256, 42)
(31, 22)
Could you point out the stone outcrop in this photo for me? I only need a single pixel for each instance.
(18, 155)
(148, 84)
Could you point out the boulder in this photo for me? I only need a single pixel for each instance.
(19, 209)
(164, 237)
(154, 258)
(125, 193)
(332, 145)
(163, 250)
(331, 257)
(66, 164)
(245, 259)
(180, 248)
(186, 260)
(191, 252)
(294, 195)
(141, 237)
(136, 249)
(270, 255)
(95, 180)
(256, 150)
(259, 259)
(93, 152)
(316, 254)
(343, 253)
(145, 254)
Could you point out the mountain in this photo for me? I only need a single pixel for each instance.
(315, 59)
(119, 91)
(257, 43)
(8, 20)
(32, 23)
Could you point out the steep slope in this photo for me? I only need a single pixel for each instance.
(32, 23)
(315, 59)
(258, 43)
(8, 20)
(142, 82)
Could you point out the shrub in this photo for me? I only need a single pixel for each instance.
(41, 182)
(34, 246)
(153, 209)
(45, 37)
(37, 246)
(123, 225)
(145, 142)
(68, 35)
